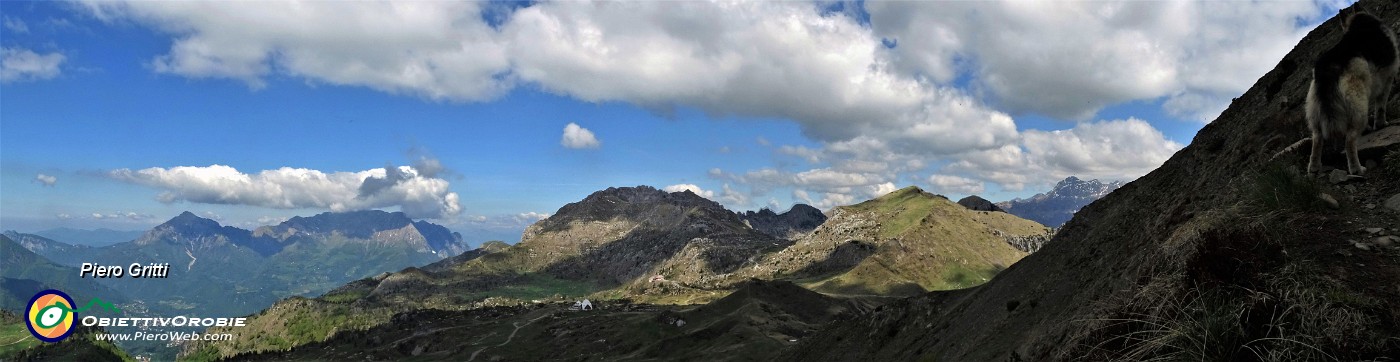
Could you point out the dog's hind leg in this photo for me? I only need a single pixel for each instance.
(1356, 118)
(1354, 166)
(1315, 159)
(1382, 107)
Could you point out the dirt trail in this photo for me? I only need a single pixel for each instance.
(508, 338)
(21, 339)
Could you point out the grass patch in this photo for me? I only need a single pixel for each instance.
(959, 277)
(1241, 296)
(14, 337)
(345, 297)
(901, 209)
(537, 286)
(1277, 187)
(1390, 164)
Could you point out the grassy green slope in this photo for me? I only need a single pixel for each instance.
(917, 242)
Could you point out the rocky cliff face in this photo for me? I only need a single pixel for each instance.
(791, 225)
(1057, 206)
(1205, 258)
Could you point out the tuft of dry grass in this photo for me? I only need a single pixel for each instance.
(1280, 308)
(1278, 188)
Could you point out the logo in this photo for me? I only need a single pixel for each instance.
(50, 316)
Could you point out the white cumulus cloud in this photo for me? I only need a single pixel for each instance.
(1111, 150)
(946, 184)
(16, 25)
(436, 50)
(20, 65)
(292, 188)
(530, 217)
(577, 137)
(830, 74)
(920, 84)
(46, 180)
(1070, 59)
(692, 188)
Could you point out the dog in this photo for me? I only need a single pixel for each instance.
(1349, 81)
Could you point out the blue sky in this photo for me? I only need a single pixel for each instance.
(112, 114)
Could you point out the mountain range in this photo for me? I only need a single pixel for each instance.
(95, 238)
(222, 270)
(228, 270)
(642, 244)
(26, 273)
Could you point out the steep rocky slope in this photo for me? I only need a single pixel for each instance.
(1219, 254)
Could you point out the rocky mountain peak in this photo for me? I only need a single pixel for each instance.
(977, 203)
(368, 224)
(1075, 187)
(640, 203)
(1055, 207)
(195, 232)
(359, 224)
(794, 223)
(189, 222)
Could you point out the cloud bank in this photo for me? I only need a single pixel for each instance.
(293, 188)
(922, 91)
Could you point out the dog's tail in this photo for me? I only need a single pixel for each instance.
(1326, 96)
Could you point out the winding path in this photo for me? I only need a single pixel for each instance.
(508, 338)
(21, 339)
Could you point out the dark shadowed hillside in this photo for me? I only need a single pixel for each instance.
(752, 324)
(1219, 254)
(26, 273)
